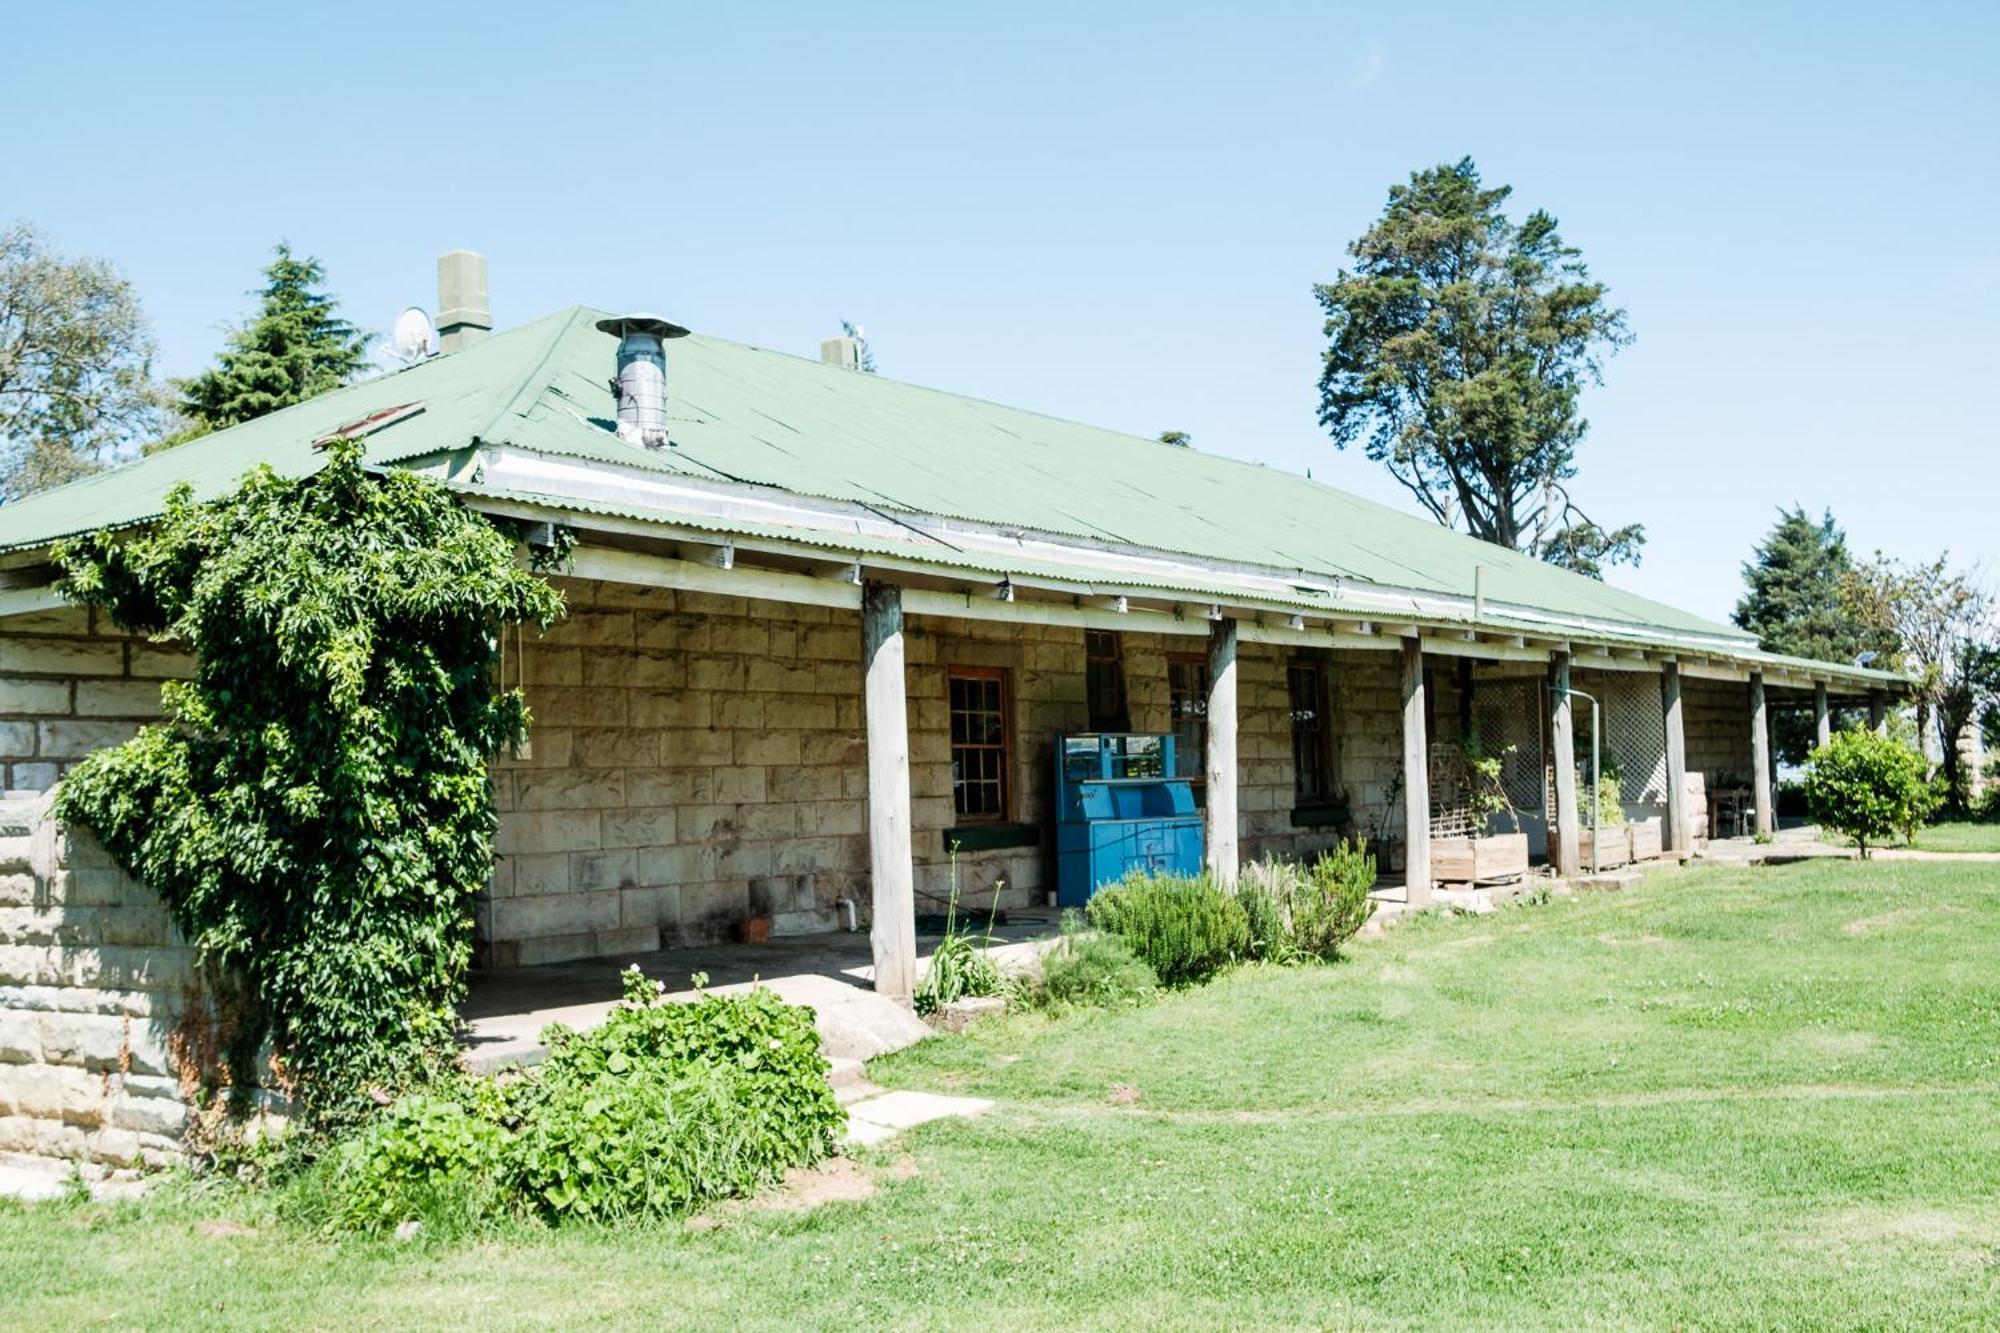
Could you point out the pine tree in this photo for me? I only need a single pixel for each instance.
(1794, 600)
(296, 346)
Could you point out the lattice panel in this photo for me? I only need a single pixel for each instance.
(1508, 717)
(1635, 731)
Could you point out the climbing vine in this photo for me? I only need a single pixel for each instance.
(316, 811)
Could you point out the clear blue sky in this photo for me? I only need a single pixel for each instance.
(1113, 213)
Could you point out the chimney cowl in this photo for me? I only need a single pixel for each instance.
(640, 386)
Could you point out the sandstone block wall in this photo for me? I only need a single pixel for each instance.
(697, 759)
(70, 683)
(1715, 715)
(94, 992)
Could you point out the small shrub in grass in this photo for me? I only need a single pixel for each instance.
(960, 966)
(1297, 912)
(1868, 786)
(662, 1108)
(1335, 904)
(439, 1159)
(1183, 927)
(1092, 969)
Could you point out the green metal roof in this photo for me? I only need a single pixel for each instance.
(745, 414)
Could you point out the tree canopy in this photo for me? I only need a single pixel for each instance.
(1458, 348)
(295, 347)
(76, 357)
(1945, 627)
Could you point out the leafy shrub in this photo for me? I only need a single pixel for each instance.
(765, 1052)
(662, 1108)
(1336, 903)
(1183, 927)
(1296, 912)
(316, 811)
(1868, 786)
(1091, 969)
(436, 1158)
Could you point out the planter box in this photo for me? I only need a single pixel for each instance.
(1647, 841)
(1493, 859)
(1617, 849)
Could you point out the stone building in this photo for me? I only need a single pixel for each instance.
(823, 630)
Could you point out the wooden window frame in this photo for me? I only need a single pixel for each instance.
(1322, 735)
(1199, 660)
(1121, 715)
(1006, 746)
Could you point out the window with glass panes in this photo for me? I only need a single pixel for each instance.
(1187, 700)
(1104, 680)
(1312, 779)
(979, 742)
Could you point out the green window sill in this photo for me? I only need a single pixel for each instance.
(991, 837)
(1319, 816)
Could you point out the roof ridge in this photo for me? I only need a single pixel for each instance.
(534, 376)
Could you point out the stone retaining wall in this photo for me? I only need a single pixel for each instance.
(95, 990)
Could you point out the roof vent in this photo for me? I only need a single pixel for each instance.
(641, 383)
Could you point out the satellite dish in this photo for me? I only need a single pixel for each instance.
(413, 337)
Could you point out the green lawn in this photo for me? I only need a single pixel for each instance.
(1759, 1097)
(1965, 835)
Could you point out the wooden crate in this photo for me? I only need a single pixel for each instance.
(1648, 842)
(1497, 858)
(1617, 849)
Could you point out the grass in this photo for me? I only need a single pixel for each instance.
(1960, 835)
(1758, 1097)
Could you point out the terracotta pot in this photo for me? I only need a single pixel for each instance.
(753, 930)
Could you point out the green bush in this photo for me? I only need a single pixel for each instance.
(1183, 927)
(662, 1108)
(1092, 969)
(1868, 786)
(437, 1159)
(1296, 912)
(1336, 903)
(960, 966)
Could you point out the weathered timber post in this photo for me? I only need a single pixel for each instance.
(1221, 830)
(1760, 755)
(1416, 778)
(1565, 847)
(1822, 718)
(892, 936)
(1678, 837)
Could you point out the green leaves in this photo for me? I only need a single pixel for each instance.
(1869, 786)
(1458, 348)
(316, 812)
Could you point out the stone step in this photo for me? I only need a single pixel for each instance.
(843, 1071)
(850, 1093)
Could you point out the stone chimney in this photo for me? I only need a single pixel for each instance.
(463, 318)
(841, 350)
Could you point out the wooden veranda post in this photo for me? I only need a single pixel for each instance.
(1416, 778)
(1878, 713)
(1565, 847)
(1678, 839)
(1221, 827)
(1822, 717)
(893, 934)
(1760, 756)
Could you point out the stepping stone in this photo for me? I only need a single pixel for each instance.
(865, 1134)
(903, 1110)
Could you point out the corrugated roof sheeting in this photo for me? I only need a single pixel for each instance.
(745, 414)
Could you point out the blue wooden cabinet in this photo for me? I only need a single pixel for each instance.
(1119, 808)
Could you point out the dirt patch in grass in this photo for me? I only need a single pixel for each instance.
(1902, 916)
(1937, 1232)
(836, 1180)
(1614, 941)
